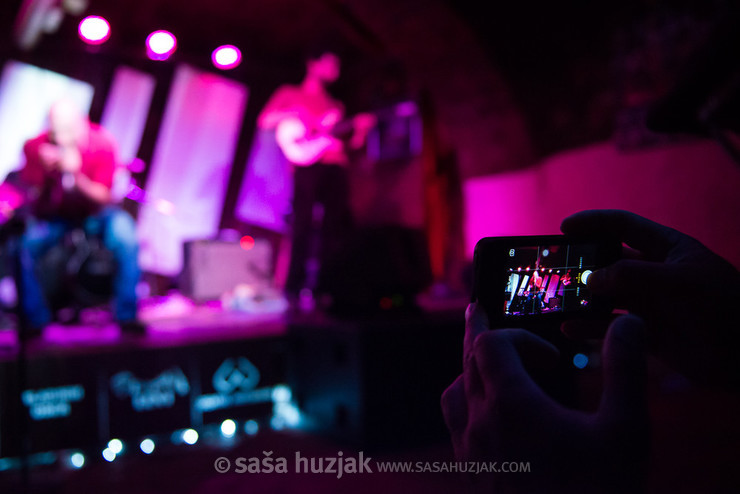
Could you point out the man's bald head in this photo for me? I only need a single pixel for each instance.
(67, 124)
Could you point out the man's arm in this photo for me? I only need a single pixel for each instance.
(96, 181)
(92, 190)
(278, 107)
(32, 173)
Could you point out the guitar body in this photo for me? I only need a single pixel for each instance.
(301, 146)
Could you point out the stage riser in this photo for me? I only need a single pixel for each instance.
(84, 400)
(376, 384)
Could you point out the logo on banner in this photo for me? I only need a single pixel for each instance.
(157, 393)
(235, 382)
(52, 403)
(235, 374)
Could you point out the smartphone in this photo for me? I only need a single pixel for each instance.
(538, 281)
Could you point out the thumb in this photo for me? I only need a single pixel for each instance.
(624, 356)
(637, 285)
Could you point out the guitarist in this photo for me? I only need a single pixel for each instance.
(302, 118)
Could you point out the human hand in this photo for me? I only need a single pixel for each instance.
(330, 118)
(71, 160)
(687, 295)
(362, 123)
(49, 155)
(496, 412)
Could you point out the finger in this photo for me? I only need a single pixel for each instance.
(455, 407)
(639, 285)
(624, 356)
(584, 329)
(630, 253)
(505, 355)
(476, 323)
(651, 238)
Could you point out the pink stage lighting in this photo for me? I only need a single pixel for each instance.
(160, 45)
(94, 30)
(226, 57)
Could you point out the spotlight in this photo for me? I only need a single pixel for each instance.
(226, 57)
(116, 446)
(109, 455)
(585, 275)
(190, 436)
(77, 460)
(277, 422)
(281, 393)
(160, 45)
(251, 427)
(228, 428)
(147, 446)
(94, 30)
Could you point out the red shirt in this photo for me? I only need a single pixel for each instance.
(98, 164)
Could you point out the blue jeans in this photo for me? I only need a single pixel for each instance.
(119, 236)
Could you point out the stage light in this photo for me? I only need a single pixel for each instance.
(116, 446)
(94, 30)
(109, 455)
(247, 242)
(285, 415)
(160, 45)
(190, 436)
(281, 393)
(580, 360)
(164, 207)
(77, 460)
(228, 428)
(545, 253)
(277, 422)
(147, 446)
(251, 427)
(226, 57)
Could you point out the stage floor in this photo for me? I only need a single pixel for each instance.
(172, 320)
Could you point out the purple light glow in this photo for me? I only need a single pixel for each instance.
(94, 30)
(226, 57)
(160, 45)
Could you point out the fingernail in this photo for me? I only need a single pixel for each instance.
(469, 310)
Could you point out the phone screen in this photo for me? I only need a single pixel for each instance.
(544, 279)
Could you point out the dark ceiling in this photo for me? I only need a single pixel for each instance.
(558, 58)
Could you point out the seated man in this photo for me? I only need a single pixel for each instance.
(69, 172)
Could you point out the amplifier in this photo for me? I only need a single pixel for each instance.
(213, 267)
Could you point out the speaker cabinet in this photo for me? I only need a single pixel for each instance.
(212, 267)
